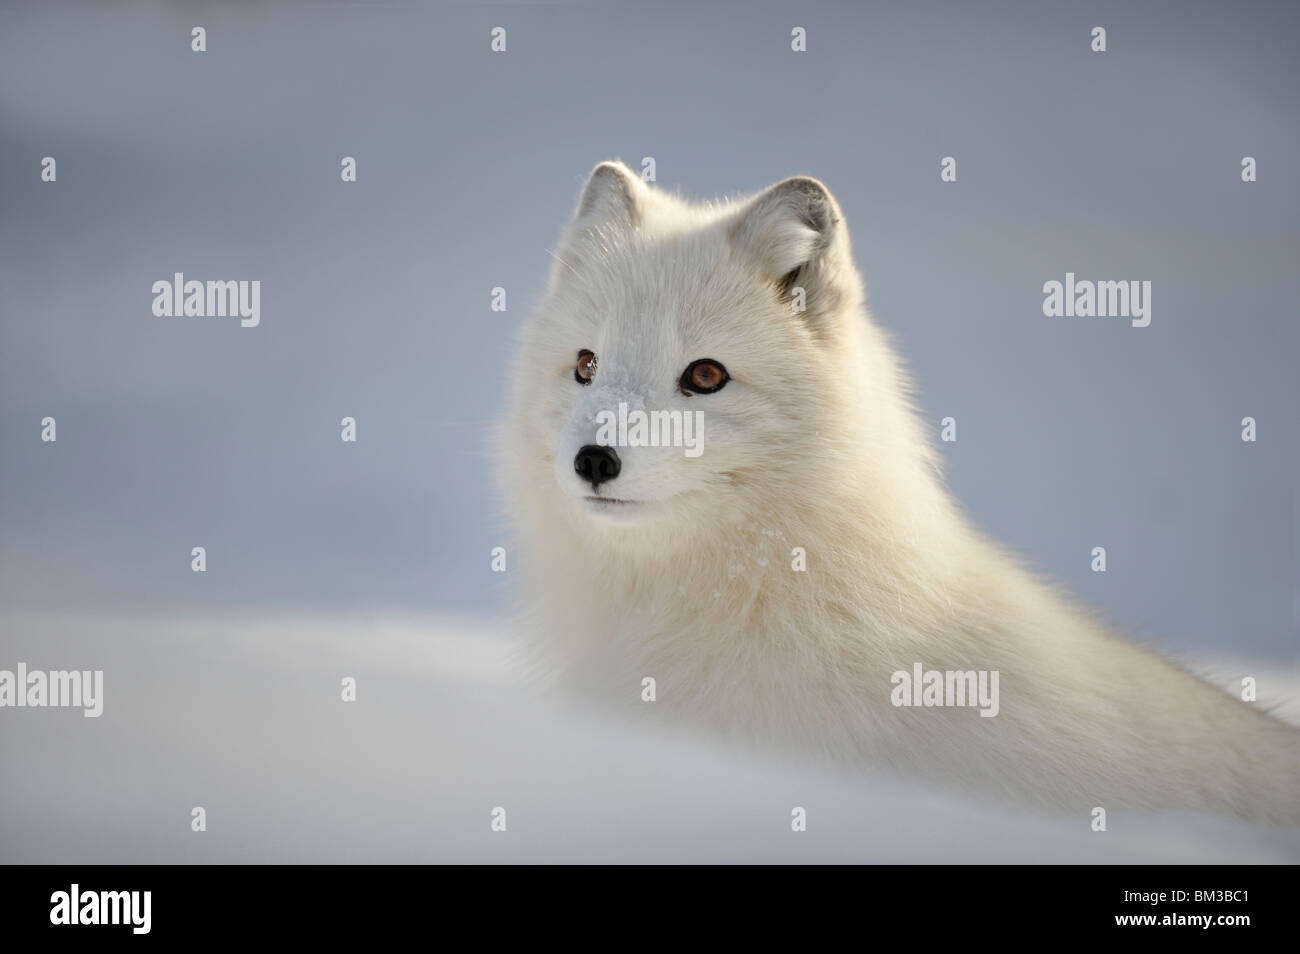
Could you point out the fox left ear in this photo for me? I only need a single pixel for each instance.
(613, 192)
(611, 202)
(795, 233)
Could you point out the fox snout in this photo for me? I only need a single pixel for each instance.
(597, 464)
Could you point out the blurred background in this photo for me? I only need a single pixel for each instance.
(375, 304)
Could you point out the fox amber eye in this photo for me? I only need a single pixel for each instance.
(586, 367)
(703, 377)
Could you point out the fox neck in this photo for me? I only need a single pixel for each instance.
(866, 542)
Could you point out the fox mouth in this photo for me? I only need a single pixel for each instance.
(614, 501)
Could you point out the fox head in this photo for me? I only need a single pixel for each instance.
(694, 365)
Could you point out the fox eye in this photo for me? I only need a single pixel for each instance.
(703, 377)
(585, 369)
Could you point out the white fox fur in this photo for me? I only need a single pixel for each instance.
(813, 443)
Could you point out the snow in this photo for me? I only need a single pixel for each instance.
(243, 716)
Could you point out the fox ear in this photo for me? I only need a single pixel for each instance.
(613, 191)
(795, 234)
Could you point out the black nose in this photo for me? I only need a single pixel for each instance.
(596, 464)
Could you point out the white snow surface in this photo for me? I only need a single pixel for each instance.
(244, 718)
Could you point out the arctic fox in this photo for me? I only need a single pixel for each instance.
(786, 583)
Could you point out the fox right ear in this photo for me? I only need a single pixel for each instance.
(613, 191)
(788, 225)
(794, 233)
